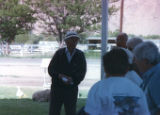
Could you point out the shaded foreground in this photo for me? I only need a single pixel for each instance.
(28, 107)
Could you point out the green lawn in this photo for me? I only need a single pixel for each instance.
(89, 54)
(10, 92)
(11, 105)
(28, 107)
(93, 54)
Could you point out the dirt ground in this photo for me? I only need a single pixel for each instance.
(28, 72)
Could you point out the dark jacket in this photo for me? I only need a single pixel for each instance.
(76, 69)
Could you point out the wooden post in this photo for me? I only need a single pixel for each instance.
(121, 15)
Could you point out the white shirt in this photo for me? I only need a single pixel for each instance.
(134, 77)
(102, 97)
(69, 55)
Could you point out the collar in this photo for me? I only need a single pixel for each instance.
(146, 74)
(67, 51)
(69, 56)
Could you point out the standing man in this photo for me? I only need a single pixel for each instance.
(121, 40)
(67, 69)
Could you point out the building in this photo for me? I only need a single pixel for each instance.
(94, 42)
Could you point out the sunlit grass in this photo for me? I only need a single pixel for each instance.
(7, 92)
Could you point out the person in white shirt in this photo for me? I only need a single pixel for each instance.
(131, 74)
(131, 44)
(116, 95)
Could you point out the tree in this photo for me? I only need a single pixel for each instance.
(16, 17)
(62, 15)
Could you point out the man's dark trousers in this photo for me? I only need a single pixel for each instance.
(66, 96)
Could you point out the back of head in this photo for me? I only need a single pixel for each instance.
(121, 40)
(147, 50)
(133, 42)
(116, 62)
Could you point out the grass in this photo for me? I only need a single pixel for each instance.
(28, 107)
(89, 54)
(12, 105)
(37, 55)
(22, 107)
(93, 54)
(10, 92)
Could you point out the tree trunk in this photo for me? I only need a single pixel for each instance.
(4, 48)
(61, 42)
(60, 37)
(7, 49)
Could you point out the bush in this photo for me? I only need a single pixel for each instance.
(113, 33)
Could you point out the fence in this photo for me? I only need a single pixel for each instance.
(33, 49)
(50, 48)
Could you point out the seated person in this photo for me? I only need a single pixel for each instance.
(116, 95)
(131, 74)
(147, 61)
(133, 42)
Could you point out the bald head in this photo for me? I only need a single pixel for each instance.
(121, 40)
(133, 42)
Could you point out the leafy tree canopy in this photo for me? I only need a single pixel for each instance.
(16, 17)
(60, 16)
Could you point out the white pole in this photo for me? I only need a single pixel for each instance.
(104, 33)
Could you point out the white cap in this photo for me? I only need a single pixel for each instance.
(71, 34)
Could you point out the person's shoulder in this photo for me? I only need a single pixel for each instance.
(100, 84)
(155, 79)
(95, 86)
(134, 77)
(79, 51)
(130, 85)
(60, 50)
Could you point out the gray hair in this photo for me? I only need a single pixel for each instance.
(147, 50)
(133, 42)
